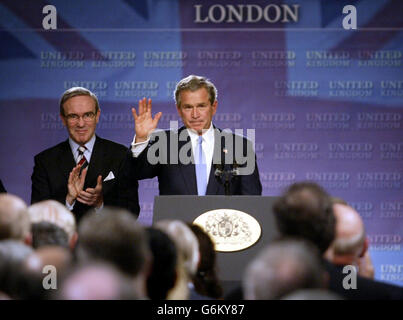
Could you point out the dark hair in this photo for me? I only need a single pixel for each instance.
(305, 211)
(193, 83)
(206, 281)
(46, 233)
(163, 272)
(113, 235)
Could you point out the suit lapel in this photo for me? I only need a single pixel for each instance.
(95, 166)
(188, 170)
(66, 159)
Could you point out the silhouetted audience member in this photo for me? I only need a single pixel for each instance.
(305, 210)
(54, 212)
(162, 277)
(114, 235)
(12, 256)
(2, 188)
(14, 219)
(188, 259)
(96, 281)
(47, 234)
(206, 281)
(281, 268)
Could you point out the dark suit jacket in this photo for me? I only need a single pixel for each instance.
(367, 289)
(2, 189)
(53, 166)
(176, 178)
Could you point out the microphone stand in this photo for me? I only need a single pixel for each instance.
(225, 176)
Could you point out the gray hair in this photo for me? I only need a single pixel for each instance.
(77, 91)
(193, 83)
(281, 268)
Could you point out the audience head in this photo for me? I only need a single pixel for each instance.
(96, 281)
(305, 211)
(281, 268)
(113, 235)
(205, 280)
(48, 234)
(185, 241)
(350, 242)
(54, 212)
(312, 294)
(162, 277)
(14, 219)
(13, 253)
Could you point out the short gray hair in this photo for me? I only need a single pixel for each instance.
(77, 91)
(193, 83)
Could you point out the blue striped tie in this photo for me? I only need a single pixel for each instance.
(201, 169)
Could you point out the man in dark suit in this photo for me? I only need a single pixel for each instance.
(84, 171)
(305, 211)
(197, 159)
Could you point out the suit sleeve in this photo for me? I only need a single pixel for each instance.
(250, 183)
(40, 185)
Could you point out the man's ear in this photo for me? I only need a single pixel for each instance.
(28, 239)
(73, 241)
(63, 120)
(365, 247)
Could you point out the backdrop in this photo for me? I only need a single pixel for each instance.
(325, 102)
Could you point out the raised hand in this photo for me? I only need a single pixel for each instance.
(75, 184)
(143, 121)
(92, 196)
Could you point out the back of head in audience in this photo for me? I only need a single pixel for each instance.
(115, 236)
(96, 281)
(305, 211)
(350, 241)
(13, 253)
(206, 280)
(14, 220)
(45, 234)
(312, 294)
(162, 277)
(281, 268)
(54, 212)
(188, 255)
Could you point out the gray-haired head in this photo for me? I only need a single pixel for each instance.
(281, 268)
(193, 83)
(77, 91)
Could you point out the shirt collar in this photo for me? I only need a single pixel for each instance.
(89, 145)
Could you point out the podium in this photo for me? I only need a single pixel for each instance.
(231, 265)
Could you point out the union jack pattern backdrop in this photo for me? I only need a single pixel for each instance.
(325, 103)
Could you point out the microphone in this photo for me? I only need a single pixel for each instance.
(225, 176)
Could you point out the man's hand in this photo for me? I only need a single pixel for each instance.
(75, 183)
(92, 196)
(143, 121)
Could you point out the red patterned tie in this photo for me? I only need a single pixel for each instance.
(83, 161)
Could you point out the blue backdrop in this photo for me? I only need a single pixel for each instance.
(326, 103)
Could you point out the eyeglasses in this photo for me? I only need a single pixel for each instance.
(88, 116)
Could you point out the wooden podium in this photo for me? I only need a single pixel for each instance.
(231, 265)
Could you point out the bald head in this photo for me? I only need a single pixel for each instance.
(14, 220)
(350, 231)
